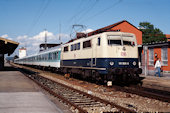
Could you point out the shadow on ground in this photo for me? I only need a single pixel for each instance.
(9, 68)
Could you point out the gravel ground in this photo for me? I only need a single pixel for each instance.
(135, 102)
(138, 103)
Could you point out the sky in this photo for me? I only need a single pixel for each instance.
(25, 21)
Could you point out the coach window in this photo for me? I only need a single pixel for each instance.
(54, 55)
(66, 49)
(43, 56)
(98, 41)
(87, 44)
(49, 55)
(46, 56)
(57, 55)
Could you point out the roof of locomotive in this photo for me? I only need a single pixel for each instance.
(92, 36)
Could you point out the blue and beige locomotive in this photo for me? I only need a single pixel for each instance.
(108, 56)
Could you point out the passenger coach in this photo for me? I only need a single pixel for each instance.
(49, 58)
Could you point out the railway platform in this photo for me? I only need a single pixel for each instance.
(162, 83)
(18, 94)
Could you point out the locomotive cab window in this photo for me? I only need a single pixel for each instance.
(129, 43)
(128, 40)
(114, 40)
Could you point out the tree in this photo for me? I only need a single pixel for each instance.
(150, 33)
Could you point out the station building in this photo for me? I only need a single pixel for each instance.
(6, 47)
(155, 50)
(22, 52)
(122, 26)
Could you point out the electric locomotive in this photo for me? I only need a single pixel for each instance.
(108, 56)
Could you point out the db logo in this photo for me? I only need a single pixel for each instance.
(123, 53)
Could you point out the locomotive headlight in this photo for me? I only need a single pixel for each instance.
(134, 63)
(111, 63)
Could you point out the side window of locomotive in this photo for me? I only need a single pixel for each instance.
(98, 41)
(66, 49)
(114, 42)
(74, 47)
(87, 44)
(71, 47)
(78, 46)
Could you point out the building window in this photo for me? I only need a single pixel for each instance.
(87, 44)
(151, 56)
(164, 56)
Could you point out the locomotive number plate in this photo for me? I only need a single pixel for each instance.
(123, 63)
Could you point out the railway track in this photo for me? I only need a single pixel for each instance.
(149, 92)
(145, 92)
(81, 101)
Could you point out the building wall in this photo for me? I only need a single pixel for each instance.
(22, 53)
(126, 27)
(157, 50)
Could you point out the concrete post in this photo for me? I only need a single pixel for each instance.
(146, 66)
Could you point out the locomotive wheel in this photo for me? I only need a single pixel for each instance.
(124, 77)
(98, 78)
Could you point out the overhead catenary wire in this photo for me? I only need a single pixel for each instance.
(86, 8)
(104, 10)
(40, 12)
(84, 12)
